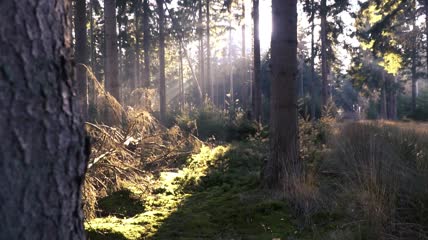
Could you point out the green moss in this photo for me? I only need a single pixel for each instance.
(113, 228)
(215, 196)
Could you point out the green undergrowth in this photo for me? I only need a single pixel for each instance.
(215, 196)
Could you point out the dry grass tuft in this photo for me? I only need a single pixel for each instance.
(104, 108)
(382, 174)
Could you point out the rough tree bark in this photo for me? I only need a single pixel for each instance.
(81, 55)
(162, 87)
(146, 43)
(42, 156)
(283, 166)
(324, 64)
(111, 57)
(257, 93)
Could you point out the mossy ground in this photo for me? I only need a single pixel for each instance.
(215, 196)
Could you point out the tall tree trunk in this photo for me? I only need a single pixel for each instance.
(81, 56)
(243, 30)
(383, 106)
(180, 40)
(137, 82)
(162, 87)
(413, 68)
(42, 157)
(209, 79)
(91, 84)
(312, 85)
(414, 80)
(201, 51)
(120, 57)
(283, 166)
(244, 90)
(231, 83)
(182, 96)
(393, 97)
(91, 32)
(146, 43)
(301, 70)
(111, 60)
(324, 64)
(426, 31)
(257, 93)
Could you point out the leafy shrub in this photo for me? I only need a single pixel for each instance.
(211, 122)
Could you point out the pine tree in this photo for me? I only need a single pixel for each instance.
(81, 55)
(111, 55)
(42, 153)
(283, 166)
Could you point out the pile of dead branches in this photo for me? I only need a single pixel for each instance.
(132, 154)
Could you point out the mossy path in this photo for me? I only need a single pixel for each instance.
(215, 196)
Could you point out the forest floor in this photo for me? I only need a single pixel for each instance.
(215, 193)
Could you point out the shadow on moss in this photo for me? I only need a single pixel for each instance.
(122, 203)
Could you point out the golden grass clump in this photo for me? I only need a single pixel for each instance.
(379, 169)
(104, 108)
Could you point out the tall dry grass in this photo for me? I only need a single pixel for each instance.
(381, 174)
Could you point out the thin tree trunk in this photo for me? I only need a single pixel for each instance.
(182, 96)
(426, 31)
(91, 31)
(201, 51)
(283, 167)
(231, 83)
(393, 97)
(383, 107)
(414, 81)
(324, 64)
(243, 29)
(209, 79)
(81, 56)
(301, 78)
(119, 52)
(137, 82)
(176, 26)
(42, 153)
(146, 43)
(312, 88)
(245, 97)
(111, 60)
(257, 94)
(413, 68)
(91, 85)
(162, 87)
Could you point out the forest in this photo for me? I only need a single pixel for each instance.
(214, 119)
